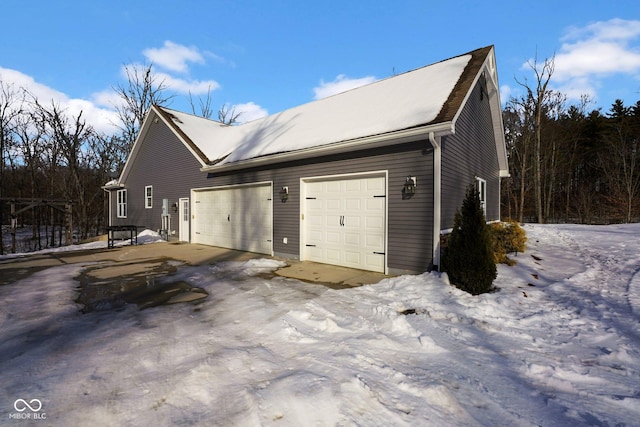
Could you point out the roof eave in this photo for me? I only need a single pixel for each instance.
(365, 143)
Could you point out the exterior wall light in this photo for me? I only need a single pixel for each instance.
(409, 188)
(284, 194)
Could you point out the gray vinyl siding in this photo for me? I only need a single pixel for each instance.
(409, 221)
(469, 153)
(166, 164)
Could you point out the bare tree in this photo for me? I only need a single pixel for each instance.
(555, 109)
(519, 133)
(205, 105)
(539, 96)
(11, 106)
(72, 134)
(142, 90)
(228, 115)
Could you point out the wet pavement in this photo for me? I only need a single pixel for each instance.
(142, 275)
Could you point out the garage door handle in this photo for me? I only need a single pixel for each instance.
(342, 220)
(229, 217)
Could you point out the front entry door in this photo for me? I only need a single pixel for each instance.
(183, 213)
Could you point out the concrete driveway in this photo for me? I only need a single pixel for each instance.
(144, 260)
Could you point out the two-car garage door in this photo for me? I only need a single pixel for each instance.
(238, 217)
(344, 221)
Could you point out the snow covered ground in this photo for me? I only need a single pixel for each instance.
(559, 344)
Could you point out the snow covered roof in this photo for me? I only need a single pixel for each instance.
(423, 97)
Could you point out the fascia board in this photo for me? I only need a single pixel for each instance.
(374, 141)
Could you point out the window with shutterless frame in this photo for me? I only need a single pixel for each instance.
(121, 205)
(481, 186)
(148, 196)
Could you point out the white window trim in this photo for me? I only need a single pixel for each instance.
(121, 203)
(481, 186)
(148, 197)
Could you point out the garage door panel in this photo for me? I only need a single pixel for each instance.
(374, 222)
(237, 218)
(376, 185)
(352, 239)
(353, 258)
(352, 230)
(332, 237)
(353, 205)
(350, 222)
(375, 204)
(333, 187)
(333, 255)
(373, 240)
(374, 262)
(353, 185)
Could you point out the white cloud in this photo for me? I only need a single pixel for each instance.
(106, 98)
(100, 118)
(173, 57)
(249, 112)
(613, 29)
(595, 52)
(595, 57)
(184, 86)
(505, 93)
(38, 90)
(340, 84)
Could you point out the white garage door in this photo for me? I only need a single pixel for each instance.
(344, 222)
(234, 217)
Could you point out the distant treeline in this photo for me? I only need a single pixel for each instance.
(585, 167)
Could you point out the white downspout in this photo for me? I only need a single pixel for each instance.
(110, 220)
(437, 184)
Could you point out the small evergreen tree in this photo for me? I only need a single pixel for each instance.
(468, 258)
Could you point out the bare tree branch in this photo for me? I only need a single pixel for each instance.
(228, 115)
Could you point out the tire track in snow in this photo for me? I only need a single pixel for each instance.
(634, 293)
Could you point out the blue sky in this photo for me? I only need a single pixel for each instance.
(267, 56)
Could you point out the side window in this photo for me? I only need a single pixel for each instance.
(481, 186)
(148, 196)
(121, 204)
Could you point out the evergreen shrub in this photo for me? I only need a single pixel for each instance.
(468, 258)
